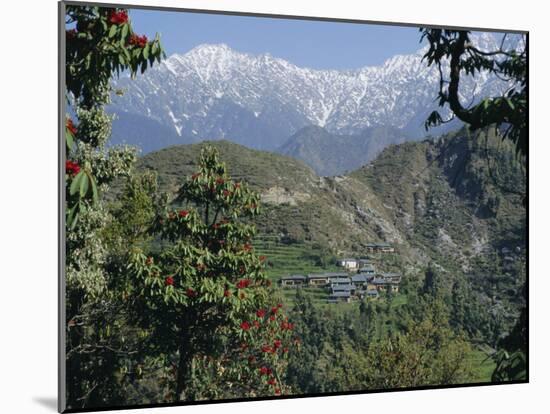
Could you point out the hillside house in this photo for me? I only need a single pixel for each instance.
(293, 281)
(323, 279)
(371, 293)
(361, 280)
(340, 281)
(350, 264)
(380, 248)
(342, 288)
(382, 284)
(339, 297)
(367, 269)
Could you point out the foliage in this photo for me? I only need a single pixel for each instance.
(206, 297)
(464, 58)
(99, 341)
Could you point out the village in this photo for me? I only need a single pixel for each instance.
(358, 280)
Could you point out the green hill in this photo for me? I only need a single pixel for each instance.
(441, 201)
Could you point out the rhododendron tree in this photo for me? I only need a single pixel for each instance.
(98, 46)
(206, 297)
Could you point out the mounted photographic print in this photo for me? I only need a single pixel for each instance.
(262, 207)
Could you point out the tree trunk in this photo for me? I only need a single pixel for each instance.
(184, 364)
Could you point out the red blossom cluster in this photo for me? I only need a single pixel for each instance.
(243, 283)
(191, 293)
(220, 181)
(118, 17)
(183, 213)
(139, 41)
(260, 313)
(227, 193)
(262, 258)
(247, 247)
(227, 293)
(72, 168)
(285, 325)
(245, 326)
(71, 126)
(169, 281)
(265, 371)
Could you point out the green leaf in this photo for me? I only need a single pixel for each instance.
(69, 139)
(75, 185)
(124, 32)
(146, 51)
(84, 184)
(112, 31)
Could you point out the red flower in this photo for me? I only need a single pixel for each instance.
(279, 305)
(267, 349)
(274, 310)
(183, 213)
(220, 181)
(71, 33)
(277, 343)
(139, 41)
(190, 293)
(227, 293)
(260, 313)
(118, 17)
(243, 283)
(265, 371)
(226, 193)
(262, 258)
(256, 324)
(72, 168)
(277, 391)
(285, 350)
(169, 281)
(247, 247)
(272, 318)
(70, 126)
(245, 326)
(271, 381)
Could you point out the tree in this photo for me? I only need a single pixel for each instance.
(454, 54)
(205, 296)
(427, 354)
(432, 282)
(100, 43)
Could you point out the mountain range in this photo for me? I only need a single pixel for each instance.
(263, 102)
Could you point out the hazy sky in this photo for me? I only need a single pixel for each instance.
(314, 44)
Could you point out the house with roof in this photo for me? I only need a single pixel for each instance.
(367, 269)
(381, 283)
(361, 280)
(348, 263)
(371, 293)
(293, 281)
(339, 297)
(323, 279)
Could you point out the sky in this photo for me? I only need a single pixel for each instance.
(312, 44)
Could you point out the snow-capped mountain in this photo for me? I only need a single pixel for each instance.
(215, 92)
